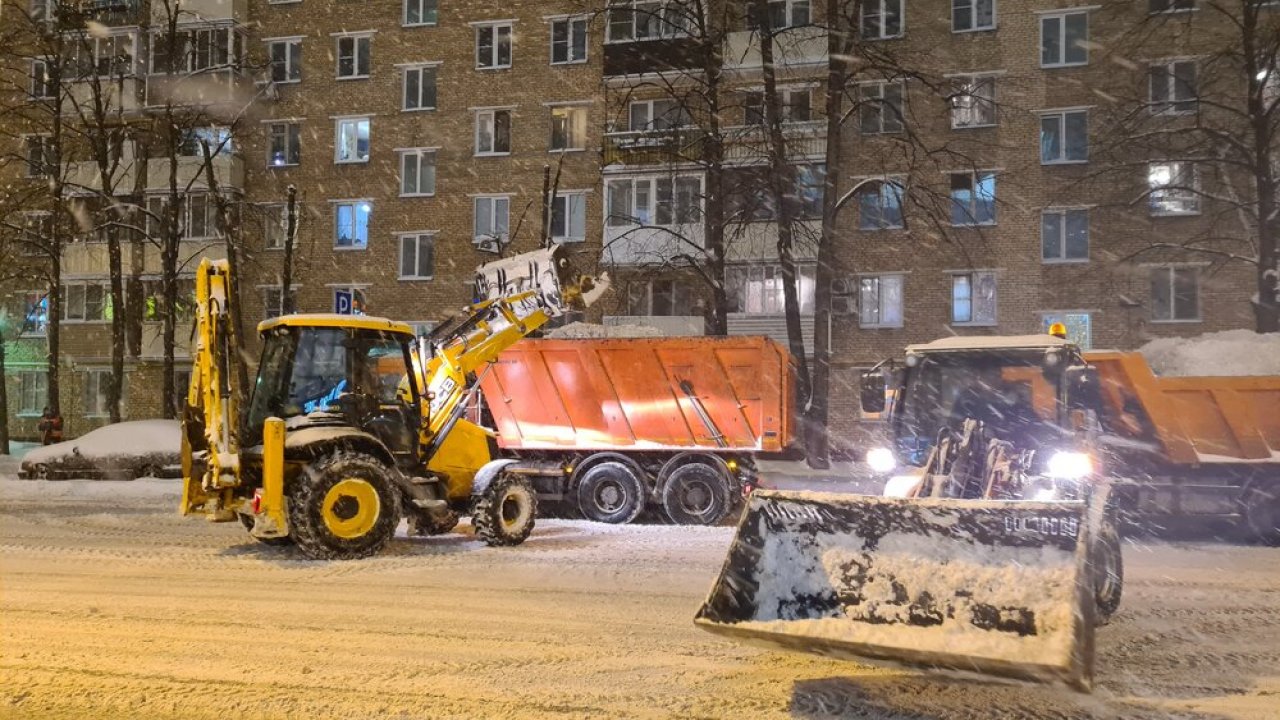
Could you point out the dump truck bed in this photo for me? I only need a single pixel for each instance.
(728, 394)
(1197, 420)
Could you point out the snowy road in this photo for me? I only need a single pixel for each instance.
(112, 606)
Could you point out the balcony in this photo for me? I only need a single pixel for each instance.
(200, 11)
(797, 51)
(223, 93)
(749, 143)
(653, 147)
(228, 170)
(112, 13)
(652, 56)
(645, 245)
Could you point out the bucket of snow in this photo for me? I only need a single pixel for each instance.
(961, 585)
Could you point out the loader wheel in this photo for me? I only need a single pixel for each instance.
(610, 493)
(696, 494)
(343, 507)
(504, 514)
(247, 522)
(1108, 573)
(1262, 515)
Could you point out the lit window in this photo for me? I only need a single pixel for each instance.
(973, 298)
(759, 289)
(351, 140)
(1173, 188)
(351, 224)
(286, 144)
(568, 128)
(493, 132)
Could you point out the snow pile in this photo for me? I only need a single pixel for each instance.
(581, 330)
(1230, 352)
(126, 439)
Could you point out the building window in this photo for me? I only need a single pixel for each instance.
(275, 225)
(351, 224)
(191, 51)
(1173, 87)
(1064, 236)
(647, 20)
(660, 201)
(41, 160)
(784, 14)
(493, 132)
(1175, 293)
(353, 56)
(568, 128)
(664, 114)
(417, 256)
(973, 298)
(881, 19)
(880, 301)
(33, 392)
(418, 172)
(199, 217)
(973, 101)
(113, 55)
(493, 46)
(96, 386)
(273, 301)
(569, 41)
(880, 205)
(42, 86)
(1064, 38)
(85, 302)
(349, 301)
(1167, 6)
(973, 198)
(194, 140)
(880, 108)
(1064, 137)
(43, 10)
(420, 12)
(969, 15)
(661, 298)
(796, 105)
(758, 289)
(1079, 326)
(491, 219)
(569, 217)
(1173, 188)
(35, 313)
(286, 61)
(286, 144)
(351, 140)
(420, 88)
(748, 197)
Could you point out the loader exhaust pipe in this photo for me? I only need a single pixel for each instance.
(973, 586)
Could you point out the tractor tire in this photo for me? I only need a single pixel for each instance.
(342, 507)
(696, 494)
(1261, 513)
(504, 514)
(610, 492)
(1108, 572)
(421, 523)
(247, 522)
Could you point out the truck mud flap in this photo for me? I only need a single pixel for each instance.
(974, 586)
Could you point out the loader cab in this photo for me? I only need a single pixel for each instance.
(338, 370)
(1021, 388)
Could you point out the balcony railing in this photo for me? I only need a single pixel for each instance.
(653, 147)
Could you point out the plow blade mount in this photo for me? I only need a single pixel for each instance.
(977, 586)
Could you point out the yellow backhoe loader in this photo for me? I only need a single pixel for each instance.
(354, 422)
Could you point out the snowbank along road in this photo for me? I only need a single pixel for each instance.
(113, 606)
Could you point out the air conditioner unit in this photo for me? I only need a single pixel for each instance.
(488, 244)
(842, 286)
(843, 305)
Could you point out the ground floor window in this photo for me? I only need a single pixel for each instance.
(973, 298)
(758, 289)
(1079, 326)
(33, 392)
(97, 384)
(662, 297)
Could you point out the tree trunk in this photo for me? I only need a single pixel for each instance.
(116, 268)
(135, 300)
(169, 244)
(816, 432)
(716, 314)
(290, 231)
(4, 404)
(53, 331)
(782, 184)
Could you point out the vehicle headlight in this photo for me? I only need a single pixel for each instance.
(881, 460)
(1069, 465)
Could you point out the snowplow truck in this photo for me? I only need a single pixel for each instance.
(607, 427)
(354, 422)
(994, 550)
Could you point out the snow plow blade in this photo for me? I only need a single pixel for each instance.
(975, 586)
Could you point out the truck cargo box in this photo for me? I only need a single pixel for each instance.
(1196, 420)
(728, 394)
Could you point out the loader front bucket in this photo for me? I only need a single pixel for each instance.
(983, 586)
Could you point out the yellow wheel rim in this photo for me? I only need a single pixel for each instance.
(350, 508)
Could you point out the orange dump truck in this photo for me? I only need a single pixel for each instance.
(1200, 446)
(609, 426)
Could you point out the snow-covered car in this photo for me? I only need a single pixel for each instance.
(123, 451)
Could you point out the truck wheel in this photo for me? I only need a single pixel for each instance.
(504, 514)
(247, 522)
(1262, 515)
(696, 494)
(610, 493)
(343, 507)
(1108, 573)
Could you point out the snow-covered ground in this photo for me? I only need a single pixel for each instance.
(111, 605)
